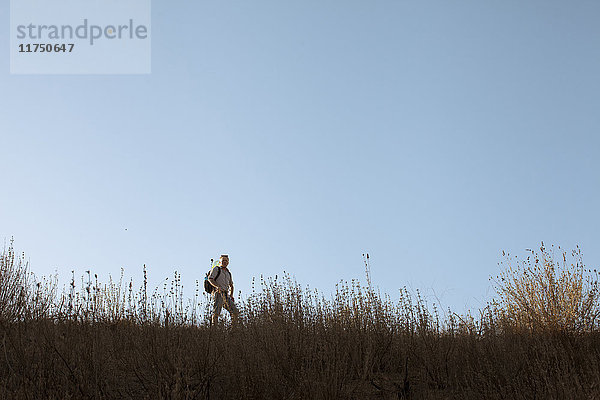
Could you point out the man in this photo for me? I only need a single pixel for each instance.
(223, 283)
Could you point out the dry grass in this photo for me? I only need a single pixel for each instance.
(543, 293)
(116, 340)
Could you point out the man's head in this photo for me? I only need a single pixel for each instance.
(224, 260)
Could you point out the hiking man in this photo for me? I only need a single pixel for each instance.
(223, 283)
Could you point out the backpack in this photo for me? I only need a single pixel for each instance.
(208, 288)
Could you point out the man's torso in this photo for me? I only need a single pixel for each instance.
(223, 280)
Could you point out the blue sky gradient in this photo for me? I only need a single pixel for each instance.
(297, 136)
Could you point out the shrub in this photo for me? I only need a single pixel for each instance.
(544, 292)
(13, 285)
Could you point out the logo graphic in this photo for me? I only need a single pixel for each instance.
(80, 37)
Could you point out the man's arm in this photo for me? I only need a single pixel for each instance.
(231, 287)
(213, 282)
(211, 279)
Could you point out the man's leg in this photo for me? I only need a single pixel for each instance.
(217, 305)
(233, 310)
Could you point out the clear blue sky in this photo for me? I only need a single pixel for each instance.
(298, 135)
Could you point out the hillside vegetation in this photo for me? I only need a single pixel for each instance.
(538, 339)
